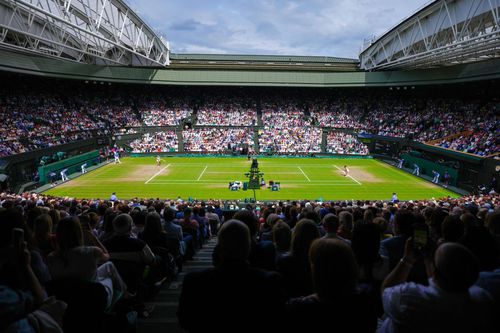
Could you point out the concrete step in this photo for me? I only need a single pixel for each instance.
(168, 296)
(159, 326)
(164, 317)
(164, 310)
(197, 263)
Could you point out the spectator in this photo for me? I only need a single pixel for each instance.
(262, 252)
(365, 245)
(331, 224)
(233, 282)
(393, 247)
(72, 260)
(128, 253)
(336, 296)
(44, 240)
(449, 303)
(295, 267)
(346, 225)
(282, 238)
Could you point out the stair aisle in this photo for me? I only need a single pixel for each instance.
(324, 140)
(180, 139)
(163, 318)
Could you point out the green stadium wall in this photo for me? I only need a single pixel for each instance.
(73, 164)
(23, 63)
(427, 166)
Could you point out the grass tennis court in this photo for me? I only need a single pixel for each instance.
(208, 178)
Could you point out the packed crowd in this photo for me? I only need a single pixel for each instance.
(284, 116)
(227, 111)
(482, 140)
(159, 142)
(153, 117)
(39, 119)
(34, 116)
(337, 119)
(345, 143)
(215, 117)
(429, 265)
(217, 140)
(287, 129)
(290, 140)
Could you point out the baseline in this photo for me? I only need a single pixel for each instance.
(156, 174)
(201, 174)
(304, 173)
(349, 176)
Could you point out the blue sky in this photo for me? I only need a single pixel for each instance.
(308, 27)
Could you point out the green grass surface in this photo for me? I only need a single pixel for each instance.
(208, 178)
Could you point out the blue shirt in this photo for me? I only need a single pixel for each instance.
(411, 307)
(490, 281)
(15, 304)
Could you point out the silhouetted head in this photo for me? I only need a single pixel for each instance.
(233, 241)
(456, 268)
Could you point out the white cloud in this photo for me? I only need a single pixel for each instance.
(308, 27)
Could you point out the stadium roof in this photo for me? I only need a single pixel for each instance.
(262, 62)
(24, 63)
(244, 57)
(101, 32)
(442, 33)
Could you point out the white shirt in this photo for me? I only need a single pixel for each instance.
(411, 307)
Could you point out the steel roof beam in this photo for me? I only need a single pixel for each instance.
(104, 32)
(442, 32)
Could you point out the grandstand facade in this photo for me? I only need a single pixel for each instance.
(327, 99)
(84, 83)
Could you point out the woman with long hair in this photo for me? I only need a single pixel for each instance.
(88, 263)
(44, 240)
(295, 266)
(335, 295)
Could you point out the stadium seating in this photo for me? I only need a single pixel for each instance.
(374, 241)
(35, 115)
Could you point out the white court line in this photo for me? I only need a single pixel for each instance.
(303, 173)
(173, 182)
(201, 174)
(244, 166)
(241, 173)
(224, 172)
(156, 174)
(329, 182)
(347, 175)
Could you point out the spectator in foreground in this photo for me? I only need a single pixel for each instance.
(72, 260)
(295, 267)
(331, 224)
(449, 304)
(126, 251)
(336, 295)
(346, 224)
(282, 238)
(262, 252)
(232, 291)
(393, 247)
(44, 240)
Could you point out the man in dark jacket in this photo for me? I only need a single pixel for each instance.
(232, 294)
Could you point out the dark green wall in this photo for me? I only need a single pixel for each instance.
(23, 63)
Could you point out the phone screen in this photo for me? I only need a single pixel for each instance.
(17, 237)
(420, 238)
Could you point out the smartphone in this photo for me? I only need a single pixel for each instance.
(420, 237)
(17, 237)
